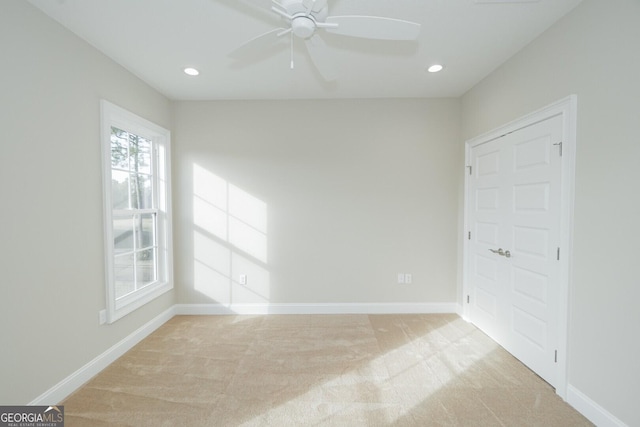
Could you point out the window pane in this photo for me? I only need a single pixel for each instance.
(123, 275)
(123, 235)
(119, 189)
(119, 148)
(141, 195)
(146, 267)
(145, 231)
(140, 149)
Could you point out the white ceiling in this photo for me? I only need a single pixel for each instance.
(156, 39)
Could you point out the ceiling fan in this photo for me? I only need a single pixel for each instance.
(306, 19)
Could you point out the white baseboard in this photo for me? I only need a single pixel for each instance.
(345, 308)
(64, 388)
(460, 310)
(591, 410)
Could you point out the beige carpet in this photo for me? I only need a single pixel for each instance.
(346, 370)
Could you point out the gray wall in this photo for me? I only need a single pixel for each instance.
(593, 52)
(352, 193)
(51, 244)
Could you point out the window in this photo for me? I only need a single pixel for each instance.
(136, 176)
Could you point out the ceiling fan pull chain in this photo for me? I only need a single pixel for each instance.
(292, 50)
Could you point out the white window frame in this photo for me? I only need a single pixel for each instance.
(114, 116)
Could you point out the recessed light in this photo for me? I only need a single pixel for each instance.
(191, 71)
(435, 68)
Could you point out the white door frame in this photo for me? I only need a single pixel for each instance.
(566, 107)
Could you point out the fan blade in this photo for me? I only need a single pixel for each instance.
(374, 27)
(321, 57)
(258, 43)
(316, 6)
(281, 10)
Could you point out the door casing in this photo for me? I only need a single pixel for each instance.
(567, 108)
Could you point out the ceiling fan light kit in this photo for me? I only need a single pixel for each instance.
(303, 27)
(304, 19)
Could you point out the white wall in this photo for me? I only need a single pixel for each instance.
(51, 241)
(340, 197)
(593, 52)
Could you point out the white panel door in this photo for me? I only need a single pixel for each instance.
(514, 215)
(487, 273)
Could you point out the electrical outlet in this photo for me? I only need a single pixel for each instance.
(405, 278)
(243, 279)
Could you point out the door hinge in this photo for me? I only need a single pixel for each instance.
(555, 357)
(467, 299)
(558, 255)
(469, 237)
(470, 169)
(559, 144)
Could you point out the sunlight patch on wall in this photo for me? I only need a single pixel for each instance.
(229, 241)
(209, 218)
(257, 288)
(211, 268)
(248, 239)
(230, 213)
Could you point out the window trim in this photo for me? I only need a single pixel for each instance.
(114, 116)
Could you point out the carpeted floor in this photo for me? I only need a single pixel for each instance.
(341, 370)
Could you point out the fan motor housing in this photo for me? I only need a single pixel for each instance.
(303, 26)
